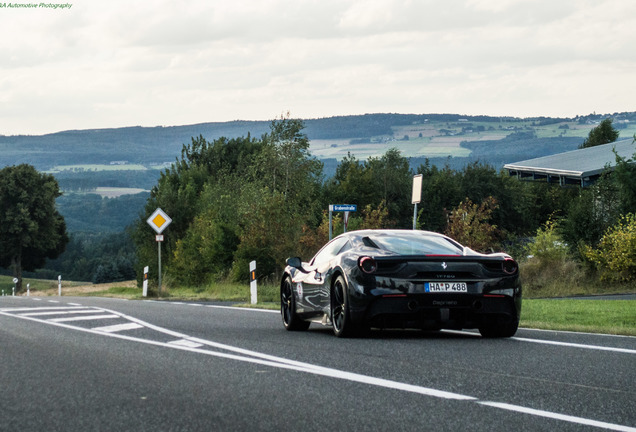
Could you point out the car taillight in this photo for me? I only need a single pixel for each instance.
(510, 266)
(367, 265)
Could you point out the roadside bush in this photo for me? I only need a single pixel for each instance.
(548, 245)
(549, 270)
(615, 256)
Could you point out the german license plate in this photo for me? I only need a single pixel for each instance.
(456, 287)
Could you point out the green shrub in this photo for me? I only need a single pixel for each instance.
(548, 246)
(615, 256)
(549, 269)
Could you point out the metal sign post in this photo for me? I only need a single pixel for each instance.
(416, 196)
(159, 221)
(346, 208)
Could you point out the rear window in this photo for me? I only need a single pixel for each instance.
(417, 245)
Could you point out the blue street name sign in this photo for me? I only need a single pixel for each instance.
(343, 207)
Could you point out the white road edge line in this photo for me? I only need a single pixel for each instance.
(328, 372)
(576, 345)
(577, 333)
(556, 416)
(549, 342)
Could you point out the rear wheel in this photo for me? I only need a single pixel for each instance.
(499, 329)
(291, 320)
(340, 315)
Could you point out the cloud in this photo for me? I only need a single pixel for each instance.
(118, 63)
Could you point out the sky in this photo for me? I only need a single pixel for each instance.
(116, 63)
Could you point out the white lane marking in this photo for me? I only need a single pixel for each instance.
(243, 309)
(277, 362)
(556, 416)
(59, 312)
(83, 318)
(280, 363)
(577, 333)
(118, 327)
(44, 308)
(186, 343)
(576, 345)
(74, 304)
(549, 342)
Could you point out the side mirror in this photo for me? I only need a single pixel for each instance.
(296, 263)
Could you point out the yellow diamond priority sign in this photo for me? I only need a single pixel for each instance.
(159, 220)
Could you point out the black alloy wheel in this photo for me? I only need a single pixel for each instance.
(499, 329)
(291, 320)
(340, 316)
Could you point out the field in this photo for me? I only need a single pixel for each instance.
(441, 139)
(114, 192)
(97, 167)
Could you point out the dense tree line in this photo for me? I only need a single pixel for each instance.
(93, 257)
(242, 199)
(90, 213)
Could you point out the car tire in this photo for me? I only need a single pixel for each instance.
(291, 320)
(340, 314)
(499, 329)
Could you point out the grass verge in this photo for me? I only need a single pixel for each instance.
(593, 316)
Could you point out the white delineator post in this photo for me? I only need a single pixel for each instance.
(253, 287)
(145, 290)
(59, 286)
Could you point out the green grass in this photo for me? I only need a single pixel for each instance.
(593, 316)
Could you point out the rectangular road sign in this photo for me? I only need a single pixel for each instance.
(416, 195)
(343, 207)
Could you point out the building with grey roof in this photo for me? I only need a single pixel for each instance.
(578, 167)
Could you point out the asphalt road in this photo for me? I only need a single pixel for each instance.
(93, 364)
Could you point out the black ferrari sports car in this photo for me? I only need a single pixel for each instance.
(401, 279)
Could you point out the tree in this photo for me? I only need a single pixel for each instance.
(31, 229)
(469, 224)
(625, 179)
(604, 133)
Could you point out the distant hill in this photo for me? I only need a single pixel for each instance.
(441, 138)
(133, 157)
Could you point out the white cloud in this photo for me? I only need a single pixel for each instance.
(119, 63)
